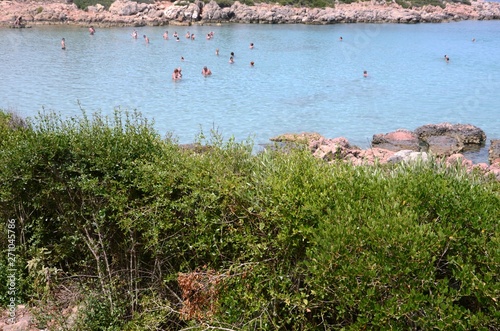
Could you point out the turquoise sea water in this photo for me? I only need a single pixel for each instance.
(304, 78)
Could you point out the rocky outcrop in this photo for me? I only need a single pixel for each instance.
(445, 139)
(23, 320)
(442, 139)
(465, 133)
(130, 13)
(402, 146)
(407, 156)
(494, 170)
(396, 141)
(26, 318)
(124, 8)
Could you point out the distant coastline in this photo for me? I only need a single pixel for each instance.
(130, 13)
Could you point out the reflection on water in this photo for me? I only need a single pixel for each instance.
(304, 78)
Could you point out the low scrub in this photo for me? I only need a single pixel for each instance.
(216, 236)
(84, 4)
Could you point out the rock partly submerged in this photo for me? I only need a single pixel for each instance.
(443, 139)
(444, 142)
(131, 13)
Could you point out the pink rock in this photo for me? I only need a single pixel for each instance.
(495, 170)
(398, 140)
(460, 159)
(373, 155)
(481, 166)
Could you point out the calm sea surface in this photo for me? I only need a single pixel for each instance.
(304, 78)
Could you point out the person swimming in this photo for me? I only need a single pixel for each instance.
(206, 72)
(91, 30)
(231, 60)
(146, 39)
(252, 64)
(176, 75)
(165, 35)
(251, 45)
(365, 73)
(134, 34)
(446, 58)
(216, 51)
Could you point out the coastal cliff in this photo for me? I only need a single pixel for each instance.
(130, 13)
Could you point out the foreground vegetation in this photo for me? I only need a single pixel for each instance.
(140, 233)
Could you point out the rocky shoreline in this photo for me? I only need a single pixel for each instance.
(444, 142)
(130, 13)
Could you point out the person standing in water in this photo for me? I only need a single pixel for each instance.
(63, 43)
(19, 21)
(91, 30)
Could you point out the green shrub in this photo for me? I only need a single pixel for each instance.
(83, 4)
(414, 259)
(216, 236)
(225, 3)
(98, 314)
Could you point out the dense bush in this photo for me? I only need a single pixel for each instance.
(420, 3)
(83, 4)
(216, 236)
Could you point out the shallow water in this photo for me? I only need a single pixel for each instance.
(304, 78)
